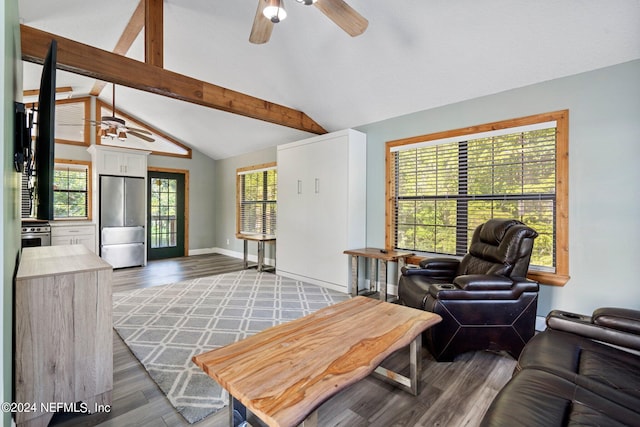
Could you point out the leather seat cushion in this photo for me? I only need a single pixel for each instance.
(539, 398)
(603, 369)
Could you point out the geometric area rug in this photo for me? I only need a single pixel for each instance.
(165, 326)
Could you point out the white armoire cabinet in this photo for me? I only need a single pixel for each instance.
(321, 207)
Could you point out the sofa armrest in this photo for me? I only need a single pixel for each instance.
(610, 325)
(622, 319)
(441, 269)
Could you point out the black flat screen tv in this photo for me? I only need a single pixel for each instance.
(44, 156)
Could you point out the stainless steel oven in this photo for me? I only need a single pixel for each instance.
(35, 233)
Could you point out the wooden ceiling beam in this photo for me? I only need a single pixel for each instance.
(96, 63)
(153, 32)
(129, 35)
(36, 92)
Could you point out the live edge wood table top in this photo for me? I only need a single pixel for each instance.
(286, 372)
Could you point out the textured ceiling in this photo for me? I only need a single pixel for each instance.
(415, 55)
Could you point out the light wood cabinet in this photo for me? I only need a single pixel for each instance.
(74, 235)
(321, 207)
(63, 331)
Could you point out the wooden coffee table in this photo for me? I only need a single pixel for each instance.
(284, 373)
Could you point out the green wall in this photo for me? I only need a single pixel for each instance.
(201, 201)
(9, 191)
(604, 177)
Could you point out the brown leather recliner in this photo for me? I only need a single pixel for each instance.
(485, 300)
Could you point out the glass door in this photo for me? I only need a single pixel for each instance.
(165, 235)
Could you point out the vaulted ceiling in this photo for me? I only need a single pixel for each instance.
(414, 55)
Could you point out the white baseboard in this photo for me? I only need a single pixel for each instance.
(203, 251)
(312, 281)
(227, 252)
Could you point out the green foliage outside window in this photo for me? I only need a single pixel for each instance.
(444, 191)
(70, 193)
(164, 213)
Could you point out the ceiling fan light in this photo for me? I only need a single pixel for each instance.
(122, 135)
(274, 11)
(307, 2)
(113, 131)
(103, 132)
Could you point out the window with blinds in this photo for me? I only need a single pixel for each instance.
(71, 191)
(443, 188)
(257, 195)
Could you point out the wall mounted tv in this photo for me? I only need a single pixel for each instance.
(44, 156)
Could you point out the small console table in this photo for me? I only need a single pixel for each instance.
(377, 260)
(261, 239)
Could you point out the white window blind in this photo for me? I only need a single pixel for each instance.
(446, 188)
(258, 206)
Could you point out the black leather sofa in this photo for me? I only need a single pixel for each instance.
(582, 371)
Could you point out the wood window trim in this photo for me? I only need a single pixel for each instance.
(184, 172)
(240, 171)
(84, 121)
(102, 108)
(87, 164)
(561, 274)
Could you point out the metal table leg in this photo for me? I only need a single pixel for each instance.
(260, 255)
(412, 383)
(383, 286)
(246, 254)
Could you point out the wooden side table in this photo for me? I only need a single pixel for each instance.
(261, 239)
(376, 260)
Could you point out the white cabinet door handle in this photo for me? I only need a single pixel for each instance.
(299, 186)
(317, 185)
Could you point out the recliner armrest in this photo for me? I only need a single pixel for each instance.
(443, 264)
(615, 326)
(483, 282)
(442, 269)
(483, 287)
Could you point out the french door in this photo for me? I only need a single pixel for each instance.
(166, 210)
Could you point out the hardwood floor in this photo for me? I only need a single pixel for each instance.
(452, 394)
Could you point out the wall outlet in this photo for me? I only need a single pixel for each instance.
(227, 242)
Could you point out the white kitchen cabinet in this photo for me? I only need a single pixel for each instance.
(119, 161)
(74, 235)
(321, 207)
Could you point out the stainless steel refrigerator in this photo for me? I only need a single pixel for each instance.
(122, 220)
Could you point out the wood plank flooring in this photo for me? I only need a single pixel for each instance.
(452, 394)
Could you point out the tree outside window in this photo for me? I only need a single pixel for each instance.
(71, 190)
(443, 186)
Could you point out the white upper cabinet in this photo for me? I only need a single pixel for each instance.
(119, 161)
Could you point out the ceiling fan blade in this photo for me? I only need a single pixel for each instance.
(138, 130)
(344, 16)
(141, 136)
(262, 26)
